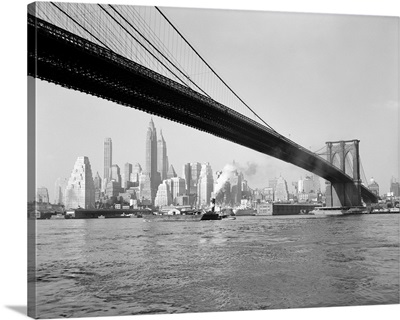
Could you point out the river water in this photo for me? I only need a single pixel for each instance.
(109, 267)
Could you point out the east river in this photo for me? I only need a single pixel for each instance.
(109, 267)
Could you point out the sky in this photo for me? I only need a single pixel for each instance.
(313, 77)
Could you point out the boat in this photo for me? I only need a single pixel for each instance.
(57, 216)
(172, 217)
(101, 217)
(211, 215)
(245, 209)
(338, 211)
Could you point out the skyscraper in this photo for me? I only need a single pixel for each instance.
(80, 190)
(151, 159)
(97, 187)
(178, 187)
(115, 174)
(163, 197)
(373, 186)
(205, 185)
(196, 169)
(162, 165)
(136, 171)
(236, 187)
(394, 187)
(281, 190)
(127, 174)
(191, 173)
(59, 189)
(42, 195)
(145, 187)
(187, 175)
(151, 149)
(107, 160)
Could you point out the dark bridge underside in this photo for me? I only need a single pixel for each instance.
(58, 56)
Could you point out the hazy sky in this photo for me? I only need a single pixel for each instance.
(312, 77)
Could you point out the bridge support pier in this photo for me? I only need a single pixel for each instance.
(344, 194)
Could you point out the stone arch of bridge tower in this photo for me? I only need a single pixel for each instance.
(344, 194)
(338, 152)
(349, 158)
(335, 160)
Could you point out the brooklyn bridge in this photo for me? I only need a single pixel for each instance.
(116, 53)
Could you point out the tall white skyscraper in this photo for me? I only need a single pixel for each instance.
(205, 185)
(163, 197)
(281, 190)
(107, 161)
(162, 160)
(80, 191)
(126, 175)
(178, 187)
(151, 160)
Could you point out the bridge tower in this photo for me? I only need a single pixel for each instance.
(344, 194)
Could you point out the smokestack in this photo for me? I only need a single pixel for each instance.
(212, 205)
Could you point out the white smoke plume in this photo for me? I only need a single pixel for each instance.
(226, 174)
(250, 169)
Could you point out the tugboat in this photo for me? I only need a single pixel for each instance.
(211, 215)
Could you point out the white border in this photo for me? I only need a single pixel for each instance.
(13, 155)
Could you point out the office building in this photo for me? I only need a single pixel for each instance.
(373, 186)
(281, 190)
(107, 159)
(42, 195)
(145, 191)
(136, 171)
(394, 188)
(205, 185)
(80, 192)
(236, 187)
(151, 160)
(178, 187)
(126, 176)
(187, 175)
(162, 165)
(163, 197)
(113, 189)
(196, 169)
(116, 174)
(97, 187)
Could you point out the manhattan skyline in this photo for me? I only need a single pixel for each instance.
(339, 84)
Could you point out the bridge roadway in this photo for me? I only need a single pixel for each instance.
(63, 58)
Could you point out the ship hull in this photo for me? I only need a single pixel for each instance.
(333, 211)
(211, 216)
(169, 218)
(245, 212)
